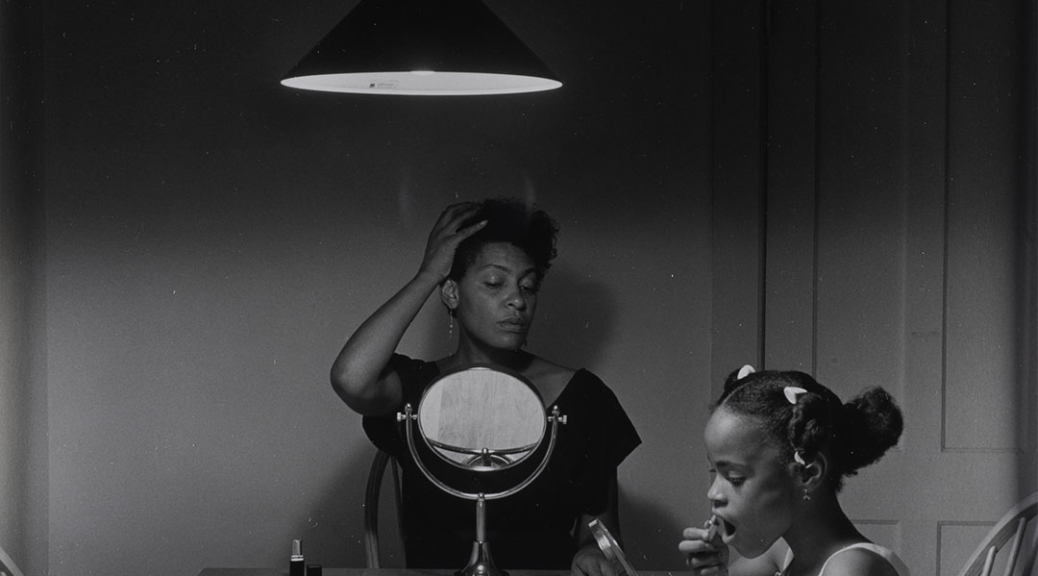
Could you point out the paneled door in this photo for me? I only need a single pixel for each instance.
(891, 222)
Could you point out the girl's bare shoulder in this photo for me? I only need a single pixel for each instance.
(859, 562)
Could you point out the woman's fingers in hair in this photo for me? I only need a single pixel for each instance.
(471, 229)
(455, 215)
(445, 237)
(451, 212)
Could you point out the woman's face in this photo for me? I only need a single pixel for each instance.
(752, 491)
(497, 297)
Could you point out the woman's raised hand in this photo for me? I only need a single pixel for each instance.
(445, 236)
(706, 554)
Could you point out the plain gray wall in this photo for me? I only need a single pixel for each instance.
(23, 422)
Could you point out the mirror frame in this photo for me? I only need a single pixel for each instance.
(492, 459)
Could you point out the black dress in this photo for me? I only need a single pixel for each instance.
(534, 528)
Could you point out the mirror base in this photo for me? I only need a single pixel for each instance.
(480, 564)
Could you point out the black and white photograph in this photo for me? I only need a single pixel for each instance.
(518, 288)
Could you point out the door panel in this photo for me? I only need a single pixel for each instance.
(895, 249)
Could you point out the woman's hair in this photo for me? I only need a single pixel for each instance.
(852, 435)
(523, 225)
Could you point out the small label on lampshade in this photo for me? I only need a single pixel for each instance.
(383, 85)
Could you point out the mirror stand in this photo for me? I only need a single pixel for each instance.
(480, 563)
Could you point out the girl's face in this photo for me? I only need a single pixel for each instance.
(752, 492)
(497, 297)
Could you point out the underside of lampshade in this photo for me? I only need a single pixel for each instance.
(421, 47)
(434, 84)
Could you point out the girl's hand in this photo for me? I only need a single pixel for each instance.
(591, 561)
(445, 237)
(706, 556)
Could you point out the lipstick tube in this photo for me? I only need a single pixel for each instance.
(296, 565)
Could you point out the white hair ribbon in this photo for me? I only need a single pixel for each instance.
(745, 371)
(792, 392)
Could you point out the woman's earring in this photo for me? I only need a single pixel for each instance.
(807, 495)
(450, 326)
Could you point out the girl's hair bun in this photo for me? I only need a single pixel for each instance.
(873, 425)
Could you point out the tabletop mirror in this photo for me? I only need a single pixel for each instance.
(480, 422)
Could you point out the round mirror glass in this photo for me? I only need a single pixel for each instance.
(482, 418)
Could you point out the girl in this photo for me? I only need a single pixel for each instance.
(486, 261)
(780, 445)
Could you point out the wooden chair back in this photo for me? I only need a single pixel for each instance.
(1010, 547)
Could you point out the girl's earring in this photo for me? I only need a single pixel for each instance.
(807, 495)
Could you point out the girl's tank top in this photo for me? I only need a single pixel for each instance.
(885, 553)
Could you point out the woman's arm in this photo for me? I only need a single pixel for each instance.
(360, 374)
(589, 559)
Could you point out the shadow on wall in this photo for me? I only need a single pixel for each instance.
(333, 529)
(575, 319)
(650, 534)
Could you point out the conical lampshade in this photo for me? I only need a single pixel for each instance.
(421, 47)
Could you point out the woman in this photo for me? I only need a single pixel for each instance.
(486, 261)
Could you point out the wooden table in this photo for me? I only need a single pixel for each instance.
(326, 571)
(332, 572)
(394, 572)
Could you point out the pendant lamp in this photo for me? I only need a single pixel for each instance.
(421, 47)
